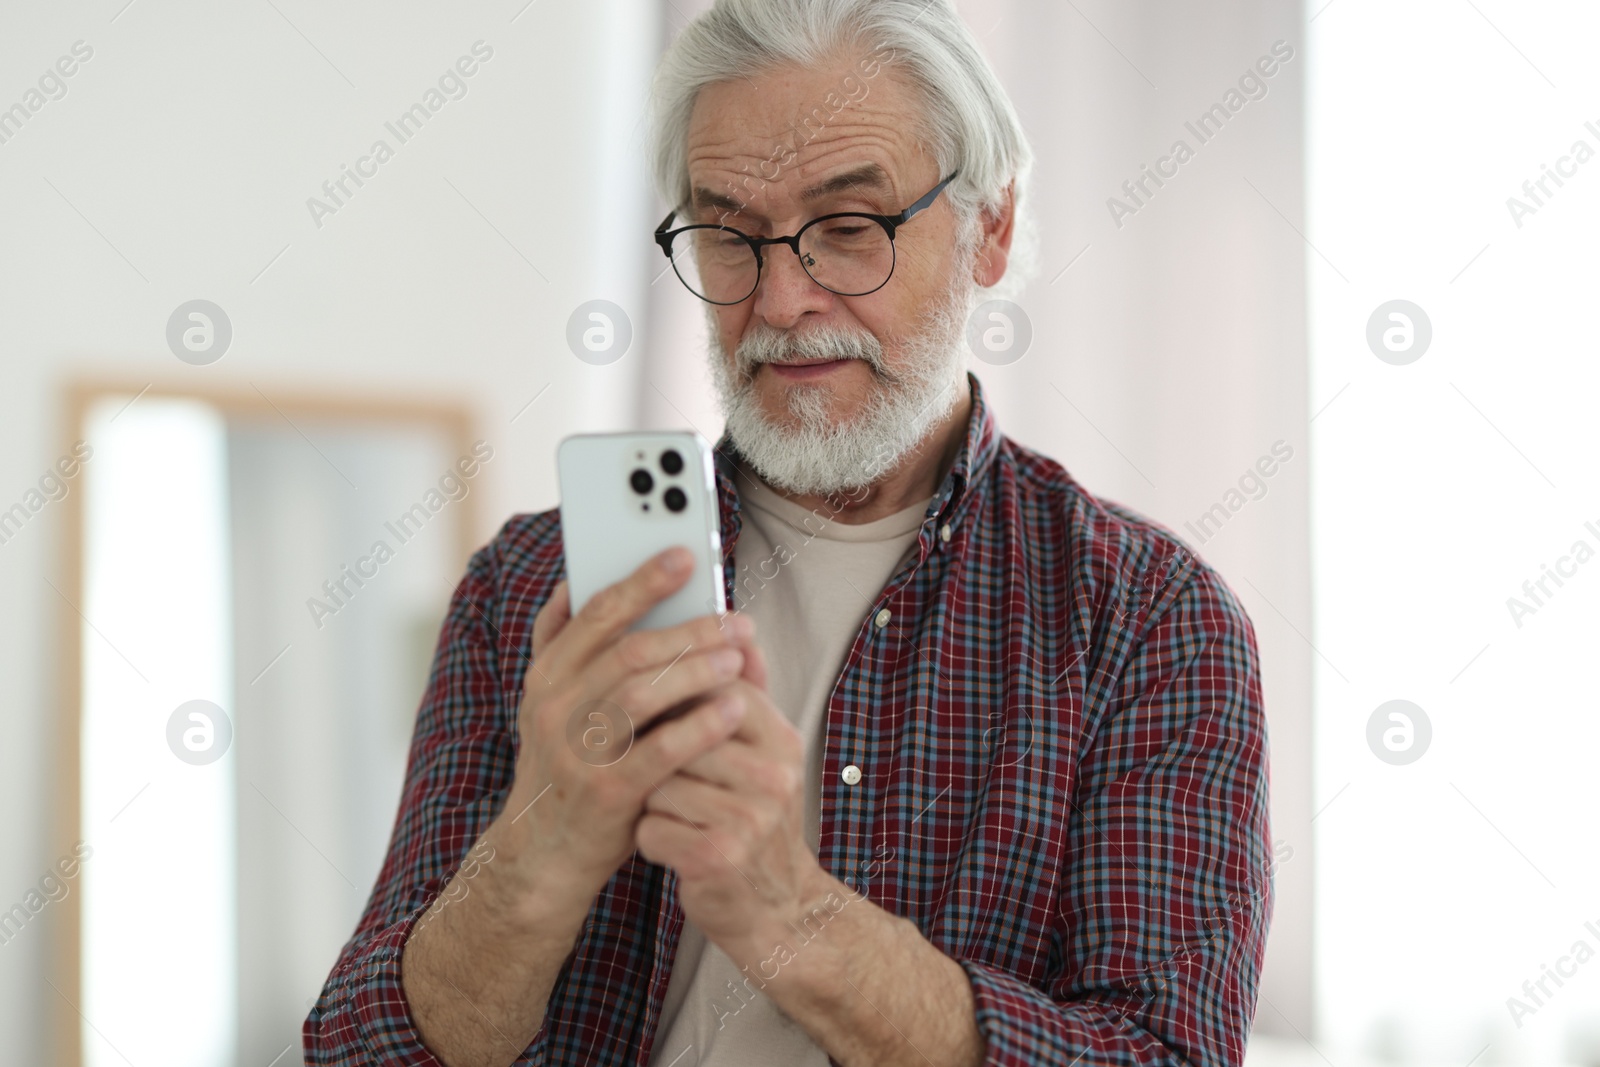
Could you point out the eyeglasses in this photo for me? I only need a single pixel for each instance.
(848, 253)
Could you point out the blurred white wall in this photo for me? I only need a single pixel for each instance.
(1456, 880)
(178, 165)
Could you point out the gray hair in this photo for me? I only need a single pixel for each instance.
(967, 120)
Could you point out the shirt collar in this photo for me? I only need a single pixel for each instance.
(954, 498)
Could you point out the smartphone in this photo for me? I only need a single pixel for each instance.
(626, 497)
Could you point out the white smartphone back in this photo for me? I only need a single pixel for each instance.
(623, 499)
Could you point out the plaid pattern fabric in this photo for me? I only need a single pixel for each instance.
(1063, 763)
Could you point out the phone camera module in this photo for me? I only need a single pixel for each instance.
(641, 481)
(671, 462)
(674, 499)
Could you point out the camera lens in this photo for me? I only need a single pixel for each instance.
(671, 462)
(641, 481)
(674, 499)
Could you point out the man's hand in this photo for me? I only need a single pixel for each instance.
(731, 824)
(586, 765)
(479, 970)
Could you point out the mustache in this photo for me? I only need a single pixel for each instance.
(768, 345)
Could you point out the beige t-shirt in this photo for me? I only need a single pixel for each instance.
(808, 581)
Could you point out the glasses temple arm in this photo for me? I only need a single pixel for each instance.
(926, 201)
(661, 234)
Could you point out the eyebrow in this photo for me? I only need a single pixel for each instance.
(869, 177)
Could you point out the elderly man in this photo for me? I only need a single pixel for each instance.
(974, 773)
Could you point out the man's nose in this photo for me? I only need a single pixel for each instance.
(786, 292)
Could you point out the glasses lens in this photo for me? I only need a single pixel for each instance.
(715, 263)
(850, 255)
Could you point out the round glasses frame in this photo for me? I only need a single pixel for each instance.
(890, 223)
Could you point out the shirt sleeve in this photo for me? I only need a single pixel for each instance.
(458, 773)
(1168, 888)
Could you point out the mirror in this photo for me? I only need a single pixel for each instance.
(255, 585)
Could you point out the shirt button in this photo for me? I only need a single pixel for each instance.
(882, 619)
(944, 533)
(851, 774)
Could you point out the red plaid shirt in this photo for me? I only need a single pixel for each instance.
(1063, 783)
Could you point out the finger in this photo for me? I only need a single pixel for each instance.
(659, 652)
(755, 665)
(674, 843)
(693, 851)
(731, 765)
(552, 617)
(645, 695)
(692, 801)
(744, 771)
(763, 725)
(659, 754)
(610, 612)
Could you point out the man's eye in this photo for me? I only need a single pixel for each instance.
(852, 234)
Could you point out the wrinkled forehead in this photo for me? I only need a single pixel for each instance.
(796, 141)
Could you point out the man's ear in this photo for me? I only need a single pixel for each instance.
(997, 228)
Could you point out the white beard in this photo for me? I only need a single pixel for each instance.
(822, 456)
